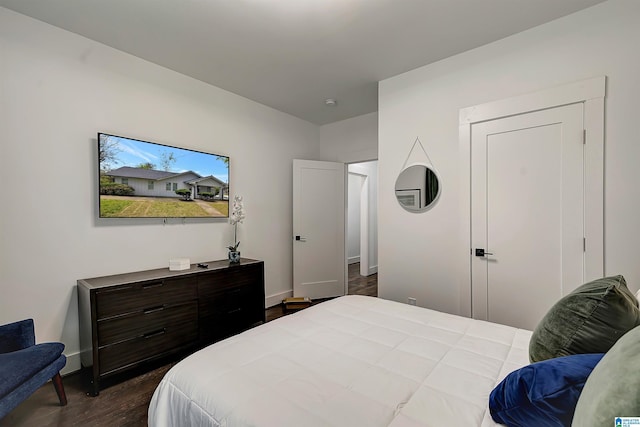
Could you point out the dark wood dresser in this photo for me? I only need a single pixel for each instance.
(128, 320)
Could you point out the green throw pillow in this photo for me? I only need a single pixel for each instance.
(612, 389)
(588, 320)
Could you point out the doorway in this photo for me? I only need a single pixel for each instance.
(362, 239)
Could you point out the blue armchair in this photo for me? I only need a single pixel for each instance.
(25, 365)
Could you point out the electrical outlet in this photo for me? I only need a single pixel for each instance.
(411, 301)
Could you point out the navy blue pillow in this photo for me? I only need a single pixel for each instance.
(542, 394)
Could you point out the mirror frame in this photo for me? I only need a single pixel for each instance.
(432, 202)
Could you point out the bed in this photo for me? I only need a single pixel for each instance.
(351, 361)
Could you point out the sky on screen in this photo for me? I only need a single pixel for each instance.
(132, 153)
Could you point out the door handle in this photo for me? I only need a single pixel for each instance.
(481, 252)
(301, 239)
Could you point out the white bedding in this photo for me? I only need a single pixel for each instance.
(352, 361)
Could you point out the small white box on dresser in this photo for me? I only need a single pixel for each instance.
(177, 264)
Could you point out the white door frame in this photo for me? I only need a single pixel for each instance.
(364, 227)
(591, 92)
(353, 169)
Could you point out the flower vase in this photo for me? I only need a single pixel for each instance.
(234, 257)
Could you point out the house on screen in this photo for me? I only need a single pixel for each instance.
(155, 183)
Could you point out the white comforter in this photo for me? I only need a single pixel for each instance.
(352, 361)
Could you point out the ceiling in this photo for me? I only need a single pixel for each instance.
(291, 55)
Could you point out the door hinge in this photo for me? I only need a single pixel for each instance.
(584, 136)
(584, 244)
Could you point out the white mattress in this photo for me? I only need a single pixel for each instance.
(352, 361)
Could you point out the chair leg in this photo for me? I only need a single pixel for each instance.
(57, 383)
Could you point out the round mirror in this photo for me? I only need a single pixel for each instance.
(417, 188)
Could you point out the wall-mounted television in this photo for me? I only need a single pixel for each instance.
(143, 179)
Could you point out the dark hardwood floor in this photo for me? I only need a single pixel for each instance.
(124, 403)
(362, 285)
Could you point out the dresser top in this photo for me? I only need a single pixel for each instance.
(161, 273)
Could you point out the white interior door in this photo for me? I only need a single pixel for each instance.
(527, 210)
(319, 261)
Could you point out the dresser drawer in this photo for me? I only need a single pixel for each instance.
(149, 344)
(228, 312)
(140, 296)
(212, 283)
(225, 301)
(152, 318)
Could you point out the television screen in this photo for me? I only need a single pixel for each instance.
(141, 179)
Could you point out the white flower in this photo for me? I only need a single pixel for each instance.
(237, 213)
(236, 216)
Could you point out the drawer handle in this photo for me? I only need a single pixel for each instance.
(152, 285)
(117, 289)
(153, 309)
(234, 311)
(155, 334)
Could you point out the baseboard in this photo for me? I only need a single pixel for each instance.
(373, 270)
(276, 299)
(73, 364)
(353, 259)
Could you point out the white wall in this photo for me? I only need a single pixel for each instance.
(57, 90)
(419, 253)
(349, 141)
